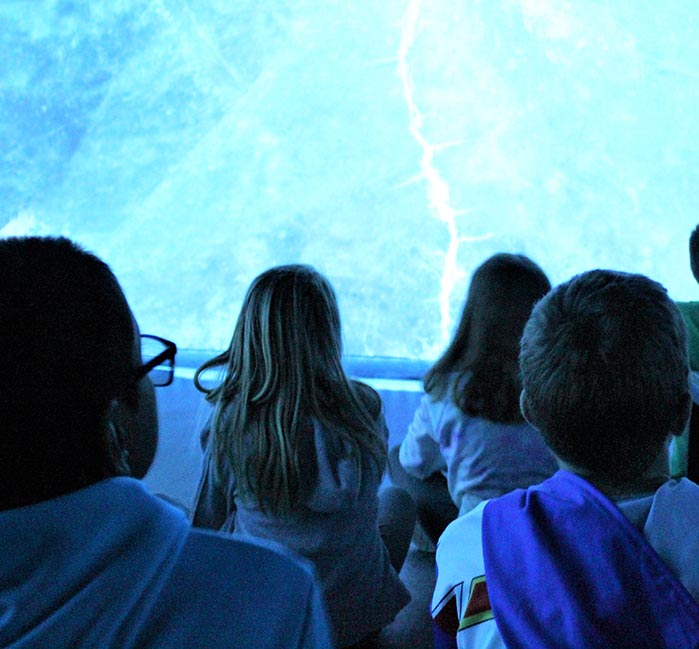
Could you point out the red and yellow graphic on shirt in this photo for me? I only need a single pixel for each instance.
(478, 608)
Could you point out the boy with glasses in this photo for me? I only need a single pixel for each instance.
(90, 558)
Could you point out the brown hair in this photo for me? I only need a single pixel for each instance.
(479, 371)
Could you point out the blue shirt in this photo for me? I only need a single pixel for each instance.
(112, 566)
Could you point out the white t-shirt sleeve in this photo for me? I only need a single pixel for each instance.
(460, 605)
(420, 454)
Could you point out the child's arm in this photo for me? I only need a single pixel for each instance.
(420, 454)
(213, 509)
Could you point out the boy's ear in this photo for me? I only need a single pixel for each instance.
(683, 411)
(117, 452)
(524, 407)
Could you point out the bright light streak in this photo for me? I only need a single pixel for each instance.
(437, 187)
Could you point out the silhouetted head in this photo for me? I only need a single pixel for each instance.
(604, 372)
(483, 353)
(694, 252)
(70, 351)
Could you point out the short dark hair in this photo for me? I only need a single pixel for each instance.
(66, 340)
(478, 371)
(694, 252)
(605, 372)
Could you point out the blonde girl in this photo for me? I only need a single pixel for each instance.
(295, 451)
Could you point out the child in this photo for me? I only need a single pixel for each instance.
(604, 553)
(469, 427)
(295, 452)
(684, 450)
(690, 310)
(90, 558)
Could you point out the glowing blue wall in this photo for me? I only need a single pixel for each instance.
(392, 144)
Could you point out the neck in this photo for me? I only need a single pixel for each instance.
(656, 475)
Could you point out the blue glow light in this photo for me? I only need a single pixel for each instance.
(393, 145)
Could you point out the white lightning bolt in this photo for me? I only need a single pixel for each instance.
(437, 187)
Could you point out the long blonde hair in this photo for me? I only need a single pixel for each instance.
(282, 371)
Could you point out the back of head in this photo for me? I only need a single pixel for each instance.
(694, 252)
(604, 372)
(283, 369)
(67, 339)
(481, 362)
(289, 314)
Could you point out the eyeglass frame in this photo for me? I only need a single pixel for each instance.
(168, 354)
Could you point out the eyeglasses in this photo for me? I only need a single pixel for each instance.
(158, 360)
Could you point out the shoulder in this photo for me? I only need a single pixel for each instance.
(205, 421)
(220, 586)
(429, 408)
(369, 397)
(460, 605)
(459, 556)
(233, 554)
(678, 488)
(441, 385)
(676, 498)
(445, 416)
(671, 527)
(441, 397)
(245, 570)
(462, 533)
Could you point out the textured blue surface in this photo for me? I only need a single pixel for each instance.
(392, 144)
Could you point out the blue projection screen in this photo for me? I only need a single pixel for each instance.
(392, 144)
